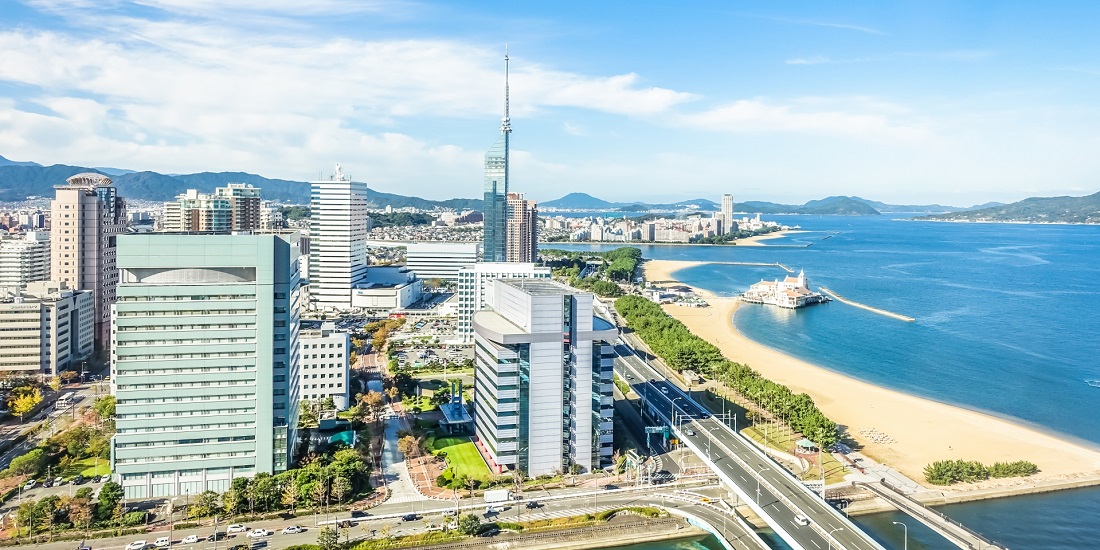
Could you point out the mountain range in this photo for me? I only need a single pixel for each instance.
(838, 205)
(1034, 210)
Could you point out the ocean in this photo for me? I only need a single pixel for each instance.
(1006, 321)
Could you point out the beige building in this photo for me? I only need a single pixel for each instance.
(235, 207)
(87, 216)
(521, 229)
(45, 328)
(24, 258)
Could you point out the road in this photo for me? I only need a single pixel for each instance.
(49, 418)
(779, 495)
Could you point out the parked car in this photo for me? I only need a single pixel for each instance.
(58, 481)
(30, 484)
(137, 545)
(292, 530)
(236, 528)
(48, 483)
(190, 539)
(257, 533)
(105, 478)
(78, 479)
(162, 542)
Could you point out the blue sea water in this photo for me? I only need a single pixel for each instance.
(1006, 322)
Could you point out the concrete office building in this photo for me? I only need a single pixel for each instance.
(204, 365)
(522, 229)
(323, 365)
(45, 328)
(473, 286)
(87, 216)
(24, 258)
(727, 214)
(386, 288)
(338, 230)
(543, 397)
(440, 260)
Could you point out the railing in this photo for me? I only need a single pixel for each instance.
(921, 508)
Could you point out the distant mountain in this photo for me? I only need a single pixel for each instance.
(839, 206)
(6, 162)
(20, 180)
(1034, 210)
(579, 201)
(913, 208)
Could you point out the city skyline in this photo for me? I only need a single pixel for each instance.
(906, 103)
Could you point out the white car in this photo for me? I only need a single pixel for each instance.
(163, 542)
(801, 520)
(137, 545)
(257, 533)
(292, 530)
(30, 484)
(236, 528)
(190, 539)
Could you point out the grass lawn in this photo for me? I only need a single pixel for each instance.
(462, 457)
(780, 439)
(87, 468)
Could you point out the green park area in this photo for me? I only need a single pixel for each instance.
(462, 457)
(87, 467)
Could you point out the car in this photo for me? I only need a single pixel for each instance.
(358, 514)
(30, 484)
(236, 528)
(490, 532)
(532, 504)
(409, 517)
(346, 524)
(630, 377)
(450, 513)
(162, 542)
(58, 481)
(78, 479)
(801, 519)
(292, 530)
(690, 432)
(105, 478)
(664, 390)
(48, 483)
(216, 536)
(257, 533)
(137, 545)
(494, 509)
(190, 539)
(84, 546)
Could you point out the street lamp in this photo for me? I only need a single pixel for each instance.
(759, 475)
(906, 531)
(830, 537)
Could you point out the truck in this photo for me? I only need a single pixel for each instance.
(497, 495)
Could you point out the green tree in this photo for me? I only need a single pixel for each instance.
(104, 407)
(341, 488)
(28, 464)
(328, 539)
(468, 524)
(110, 495)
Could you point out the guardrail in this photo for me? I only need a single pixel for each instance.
(920, 507)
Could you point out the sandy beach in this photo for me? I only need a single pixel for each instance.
(758, 240)
(923, 430)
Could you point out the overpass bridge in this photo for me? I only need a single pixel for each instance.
(957, 533)
(800, 517)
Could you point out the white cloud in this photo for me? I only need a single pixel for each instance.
(758, 116)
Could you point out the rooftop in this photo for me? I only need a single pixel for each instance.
(540, 287)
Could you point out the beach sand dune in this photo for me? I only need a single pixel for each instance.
(922, 430)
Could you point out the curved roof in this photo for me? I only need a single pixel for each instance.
(89, 178)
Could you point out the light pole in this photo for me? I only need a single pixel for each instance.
(759, 475)
(906, 531)
(830, 537)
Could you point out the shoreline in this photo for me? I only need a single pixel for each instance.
(922, 430)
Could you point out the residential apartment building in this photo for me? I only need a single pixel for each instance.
(473, 286)
(522, 229)
(204, 364)
(24, 258)
(87, 216)
(235, 207)
(435, 260)
(45, 328)
(338, 230)
(727, 214)
(323, 365)
(543, 384)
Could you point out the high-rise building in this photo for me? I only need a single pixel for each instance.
(204, 365)
(727, 213)
(522, 229)
(323, 365)
(543, 386)
(245, 203)
(437, 260)
(235, 207)
(24, 258)
(86, 218)
(338, 240)
(47, 328)
(496, 187)
(473, 286)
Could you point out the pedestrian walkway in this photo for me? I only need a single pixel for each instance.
(398, 483)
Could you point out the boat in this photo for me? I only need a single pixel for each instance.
(1093, 383)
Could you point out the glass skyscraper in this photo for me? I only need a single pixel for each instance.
(496, 187)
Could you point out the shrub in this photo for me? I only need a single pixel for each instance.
(946, 472)
(1019, 468)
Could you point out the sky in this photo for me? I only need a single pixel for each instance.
(949, 102)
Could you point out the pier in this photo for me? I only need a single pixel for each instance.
(840, 298)
(959, 534)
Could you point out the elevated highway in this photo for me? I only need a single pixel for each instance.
(800, 517)
(957, 533)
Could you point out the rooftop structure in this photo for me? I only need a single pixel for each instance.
(473, 287)
(434, 260)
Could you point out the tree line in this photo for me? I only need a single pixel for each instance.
(948, 472)
(682, 350)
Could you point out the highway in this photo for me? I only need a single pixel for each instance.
(767, 487)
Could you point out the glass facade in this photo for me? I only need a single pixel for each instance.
(496, 201)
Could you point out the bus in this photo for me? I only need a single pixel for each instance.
(65, 401)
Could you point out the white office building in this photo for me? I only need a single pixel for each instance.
(473, 284)
(24, 258)
(338, 241)
(543, 389)
(727, 214)
(45, 328)
(323, 365)
(441, 260)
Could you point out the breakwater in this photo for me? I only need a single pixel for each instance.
(890, 314)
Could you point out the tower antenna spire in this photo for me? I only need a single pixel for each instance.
(506, 122)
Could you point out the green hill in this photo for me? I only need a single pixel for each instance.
(1034, 210)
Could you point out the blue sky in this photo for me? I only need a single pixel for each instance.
(906, 102)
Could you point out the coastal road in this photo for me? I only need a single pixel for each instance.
(793, 511)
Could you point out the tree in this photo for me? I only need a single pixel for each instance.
(55, 383)
(28, 464)
(231, 502)
(328, 539)
(374, 401)
(468, 524)
(69, 375)
(80, 511)
(23, 400)
(341, 488)
(109, 497)
(393, 392)
(407, 445)
(290, 496)
(104, 407)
